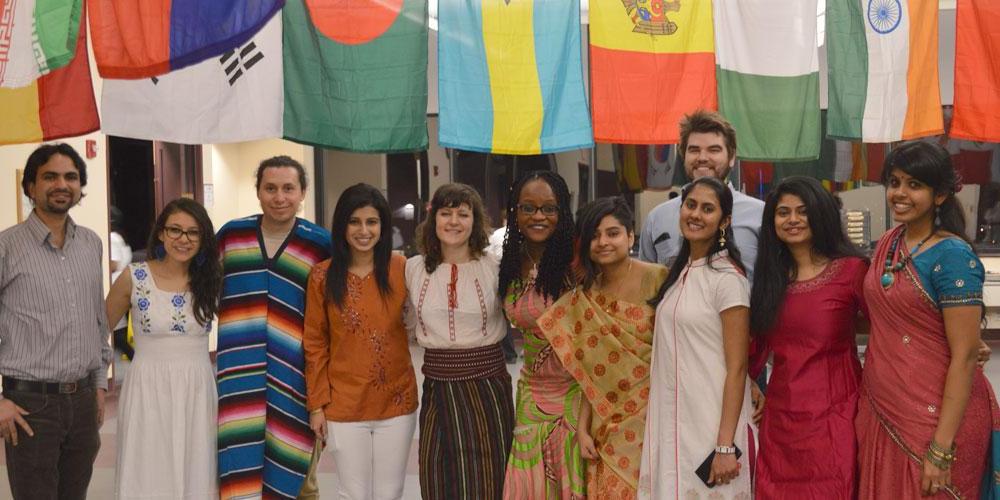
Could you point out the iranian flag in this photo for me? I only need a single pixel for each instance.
(883, 62)
(768, 76)
(36, 37)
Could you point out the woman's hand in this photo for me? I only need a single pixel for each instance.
(725, 468)
(983, 354)
(757, 398)
(317, 422)
(588, 449)
(933, 479)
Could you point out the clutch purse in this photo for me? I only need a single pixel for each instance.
(705, 469)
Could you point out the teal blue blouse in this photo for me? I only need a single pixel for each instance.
(951, 274)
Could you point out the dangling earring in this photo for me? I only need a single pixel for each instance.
(722, 239)
(937, 216)
(159, 252)
(200, 258)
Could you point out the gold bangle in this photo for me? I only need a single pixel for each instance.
(941, 451)
(940, 464)
(317, 411)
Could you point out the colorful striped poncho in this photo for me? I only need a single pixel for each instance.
(265, 443)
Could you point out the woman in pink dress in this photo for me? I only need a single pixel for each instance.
(926, 410)
(804, 302)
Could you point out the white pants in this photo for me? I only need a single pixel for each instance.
(372, 456)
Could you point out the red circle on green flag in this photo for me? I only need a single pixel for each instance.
(353, 22)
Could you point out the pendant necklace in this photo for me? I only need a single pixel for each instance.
(890, 269)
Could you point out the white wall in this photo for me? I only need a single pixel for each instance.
(342, 169)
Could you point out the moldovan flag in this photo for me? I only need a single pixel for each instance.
(59, 104)
(768, 74)
(651, 63)
(510, 77)
(883, 69)
(36, 37)
(356, 74)
(977, 71)
(230, 98)
(143, 38)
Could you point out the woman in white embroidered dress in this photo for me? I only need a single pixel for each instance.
(467, 408)
(699, 402)
(167, 411)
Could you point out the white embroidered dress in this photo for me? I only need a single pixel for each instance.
(167, 411)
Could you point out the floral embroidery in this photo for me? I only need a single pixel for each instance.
(828, 273)
(972, 264)
(143, 304)
(179, 316)
(960, 283)
(178, 300)
(140, 274)
(937, 268)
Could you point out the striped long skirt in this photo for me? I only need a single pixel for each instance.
(466, 430)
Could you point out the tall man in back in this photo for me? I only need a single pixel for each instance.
(54, 351)
(265, 442)
(707, 148)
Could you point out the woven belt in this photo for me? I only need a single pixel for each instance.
(16, 385)
(454, 365)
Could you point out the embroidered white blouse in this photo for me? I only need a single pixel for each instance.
(456, 306)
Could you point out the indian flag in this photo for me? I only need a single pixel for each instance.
(651, 63)
(883, 62)
(768, 76)
(36, 37)
(59, 104)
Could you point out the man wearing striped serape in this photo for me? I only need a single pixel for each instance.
(265, 443)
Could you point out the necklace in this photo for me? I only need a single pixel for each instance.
(621, 282)
(890, 269)
(533, 272)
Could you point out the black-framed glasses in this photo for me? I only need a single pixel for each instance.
(547, 210)
(174, 233)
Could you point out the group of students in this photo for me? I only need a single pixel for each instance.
(637, 377)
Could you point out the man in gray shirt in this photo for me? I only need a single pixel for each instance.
(54, 351)
(707, 148)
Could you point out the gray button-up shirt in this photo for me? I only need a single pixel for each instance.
(53, 323)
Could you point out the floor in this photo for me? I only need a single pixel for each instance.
(101, 486)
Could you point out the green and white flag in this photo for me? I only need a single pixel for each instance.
(36, 37)
(768, 76)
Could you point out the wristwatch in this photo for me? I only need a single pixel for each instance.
(725, 450)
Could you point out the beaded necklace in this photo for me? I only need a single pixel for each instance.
(890, 269)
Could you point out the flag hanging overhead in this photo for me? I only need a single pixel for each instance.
(768, 76)
(356, 74)
(36, 37)
(977, 71)
(510, 77)
(144, 38)
(651, 63)
(230, 98)
(59, 104)
(883, 69)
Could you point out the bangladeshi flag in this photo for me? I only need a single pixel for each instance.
(651, 63)
(143, 38)
(59, 104)
(356, 74)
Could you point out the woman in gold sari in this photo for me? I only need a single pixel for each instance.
(602, 331)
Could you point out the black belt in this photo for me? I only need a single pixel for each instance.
(13, 384)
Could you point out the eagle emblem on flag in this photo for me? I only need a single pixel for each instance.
(650, 16)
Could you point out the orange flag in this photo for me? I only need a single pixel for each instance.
(977, 71)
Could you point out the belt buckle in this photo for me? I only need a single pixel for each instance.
(67, 387)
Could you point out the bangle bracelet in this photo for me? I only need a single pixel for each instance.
(725, 450)
(937, 462)
(317, 411)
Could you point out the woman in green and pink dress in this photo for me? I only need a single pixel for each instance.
(536, 268)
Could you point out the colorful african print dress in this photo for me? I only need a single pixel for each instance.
(606, 344)
(265, 443)
(545, 458)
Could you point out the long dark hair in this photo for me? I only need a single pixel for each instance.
(555, 268)
(588, 218)
(355, 197)
(205, 270)
(452, 196)
(775, 268)
(931, 164)
(725, 197)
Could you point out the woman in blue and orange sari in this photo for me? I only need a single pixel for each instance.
(926, 411)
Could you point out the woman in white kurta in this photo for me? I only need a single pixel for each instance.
(699, 402)
(167, 410)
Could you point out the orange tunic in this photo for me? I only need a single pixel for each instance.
(357, 357)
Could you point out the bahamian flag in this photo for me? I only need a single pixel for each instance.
(58, 104)
(144, 38)
(36, 37)
(883, 69)
(356, 74)
(510, 77)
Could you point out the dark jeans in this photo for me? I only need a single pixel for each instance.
(57, 462)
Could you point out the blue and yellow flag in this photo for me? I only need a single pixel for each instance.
(510, 76)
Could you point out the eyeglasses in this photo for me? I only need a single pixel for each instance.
(174, 233)
(547, 210)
